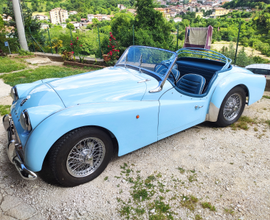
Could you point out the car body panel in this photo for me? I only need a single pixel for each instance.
(117, 117)
(108, 84)
(41, 97)
(178, 112)
(239, 76)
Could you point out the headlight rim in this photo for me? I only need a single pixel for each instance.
(14, 93)
(25, 121)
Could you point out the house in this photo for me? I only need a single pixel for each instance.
(220, 11)
(173, 14)
(199, 14)
(162, 3)
(85, 24)
(76, 24)
(72, 12)
(58, 15)
(90, 17)
(101, 17)
(6, 18)
(133, 11)
(44, 26)
(167, 16)
(121, 7)
(162, 10)
(40, 17)
(177, 19)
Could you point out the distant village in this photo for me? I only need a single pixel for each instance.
(172, 10)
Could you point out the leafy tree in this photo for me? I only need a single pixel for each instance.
(32, 26)
(121, 26)
(2, 32)
(2, 4)
(70, 26)
(150, 22)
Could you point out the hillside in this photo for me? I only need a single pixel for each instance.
(247, 3)
(84, 6)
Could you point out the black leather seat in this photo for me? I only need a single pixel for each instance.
(192, 83)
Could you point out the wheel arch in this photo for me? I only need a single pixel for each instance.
(217, 99)
(108, 132)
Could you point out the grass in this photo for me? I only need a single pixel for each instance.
(229, 211)
(243, 123)
(266, 97)
(147, 197)
(8, 65)
(4, 109)
(153, 197)
(182, 170)
(43, 72)
(207, 205)
(189, 202)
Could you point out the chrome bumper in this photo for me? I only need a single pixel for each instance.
(12, 152)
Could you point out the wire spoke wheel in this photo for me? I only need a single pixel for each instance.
(85, 157)
(80, 156)
(232, 107)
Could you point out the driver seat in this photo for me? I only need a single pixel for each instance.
(161, 69)
(192, 83)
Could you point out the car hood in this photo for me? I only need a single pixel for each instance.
(106, 85)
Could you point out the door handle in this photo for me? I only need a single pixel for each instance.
(197, 107)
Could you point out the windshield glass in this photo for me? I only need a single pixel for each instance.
(156, 60)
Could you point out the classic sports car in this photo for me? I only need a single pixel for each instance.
(76, 124)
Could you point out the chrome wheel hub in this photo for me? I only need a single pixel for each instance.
(85, 157)
(232, 107)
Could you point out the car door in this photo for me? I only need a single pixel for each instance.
(178, 112)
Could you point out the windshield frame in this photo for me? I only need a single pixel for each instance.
(158, 77)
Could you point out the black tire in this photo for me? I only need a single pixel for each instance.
(80, 156)
(232, 107)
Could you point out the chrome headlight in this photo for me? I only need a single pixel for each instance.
(14, 93)
(25, 121)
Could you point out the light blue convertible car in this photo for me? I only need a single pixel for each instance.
(75, 125)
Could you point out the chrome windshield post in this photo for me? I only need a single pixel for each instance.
(140, 63)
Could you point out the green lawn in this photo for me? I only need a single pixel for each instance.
(4, 109)
(8, 65)
(28, 76)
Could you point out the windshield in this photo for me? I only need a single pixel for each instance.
(156, 60)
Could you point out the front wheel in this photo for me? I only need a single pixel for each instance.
(232, 107)
(80, 156)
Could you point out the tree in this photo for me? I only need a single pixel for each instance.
(2, 32)
(150, 22)
(70, 26)
(32, 26)
(122, 28)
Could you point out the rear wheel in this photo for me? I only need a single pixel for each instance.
(80, 156)
(232, 107)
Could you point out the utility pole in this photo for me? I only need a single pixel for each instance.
(19, 24)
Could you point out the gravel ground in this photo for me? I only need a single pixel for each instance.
(230, 169)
